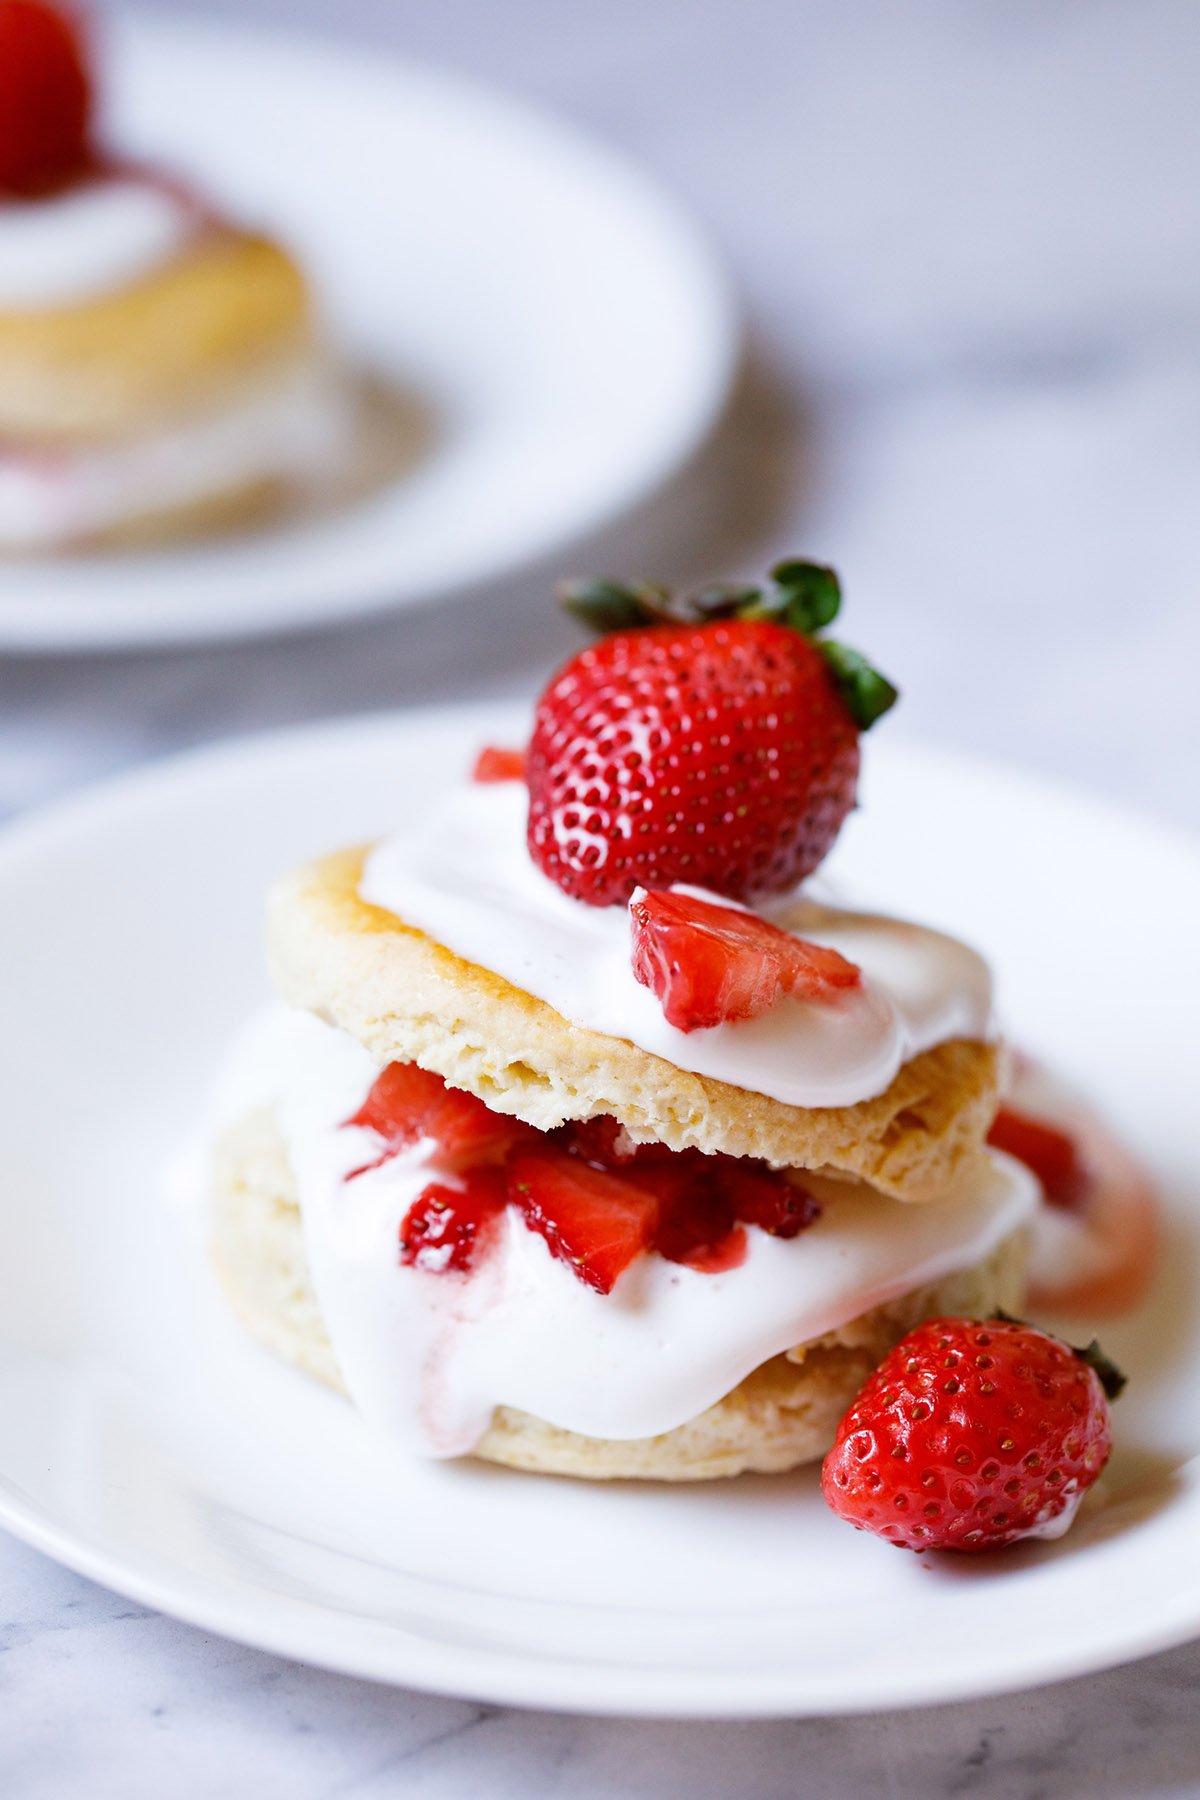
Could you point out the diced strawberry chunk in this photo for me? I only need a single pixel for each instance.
(446, 1227)
(600, 1141)
(766, 1198)
(606, 1143)
(594, 1220)
(407, 1103)
(717, 1255)
(598, 1199)
(703, 1201)
(697, 1225)
(710, 964)
(496, 764)
(1052, 1155)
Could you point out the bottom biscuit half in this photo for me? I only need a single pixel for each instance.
(782, 1415)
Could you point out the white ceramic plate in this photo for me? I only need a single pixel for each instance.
(146, 1441)
(567, 328)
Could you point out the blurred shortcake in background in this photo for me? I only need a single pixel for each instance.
(162, 370)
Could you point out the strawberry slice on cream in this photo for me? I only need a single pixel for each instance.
(407, 1104)
(713, 964)
(596, 1198)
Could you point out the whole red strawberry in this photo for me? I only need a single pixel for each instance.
(969, 1436)
(710, 739)
(45, 97)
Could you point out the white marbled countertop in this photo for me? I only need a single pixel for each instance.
(969, 241)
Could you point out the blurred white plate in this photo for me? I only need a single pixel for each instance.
(145, 1440)
(565, 325)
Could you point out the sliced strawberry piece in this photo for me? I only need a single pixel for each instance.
(607, 1144)
(703, 1200)
(594, 1220)
(447, 1227)
(407, 1103)
(715, 1256)
(496, 764)
(711, 964)
(1104, 1243)
(1052, 1155)
(600, 1141)
(696, 1223)
(766, 1198)
(597, 1198)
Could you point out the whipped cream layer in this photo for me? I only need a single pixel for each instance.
(87, 242)
(427, 1357)
(299, 427)
(462, 874)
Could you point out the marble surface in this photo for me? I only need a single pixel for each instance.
(969, 243)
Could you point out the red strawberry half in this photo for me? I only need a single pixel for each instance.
(45, 98)
(710, 740)
(710, 964)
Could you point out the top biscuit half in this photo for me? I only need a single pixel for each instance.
(406, 998)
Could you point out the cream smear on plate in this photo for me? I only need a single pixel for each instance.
(427, 1357)
(463, 875)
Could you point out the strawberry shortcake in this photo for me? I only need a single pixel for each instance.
(594, 1135)
(161, 369)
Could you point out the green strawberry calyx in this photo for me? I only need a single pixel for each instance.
(1111, 1378)
(805, 596)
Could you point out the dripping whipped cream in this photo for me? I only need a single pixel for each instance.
(427, 1357)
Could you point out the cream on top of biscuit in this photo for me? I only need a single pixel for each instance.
(87, 242)
(462, 875)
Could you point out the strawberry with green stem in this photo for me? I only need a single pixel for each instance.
(709, 739)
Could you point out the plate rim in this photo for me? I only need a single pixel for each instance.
(539, 1683)
(27, 628)
(521, 1678)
